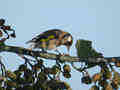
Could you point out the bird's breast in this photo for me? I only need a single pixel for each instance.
(49, 45)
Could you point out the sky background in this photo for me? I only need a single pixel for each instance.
(95, 20)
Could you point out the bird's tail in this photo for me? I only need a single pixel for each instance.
(30, 41)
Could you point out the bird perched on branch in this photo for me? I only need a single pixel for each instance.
(51, 39)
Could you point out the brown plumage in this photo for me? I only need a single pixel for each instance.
(51, 39)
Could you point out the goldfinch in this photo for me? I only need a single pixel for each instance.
(51, 39)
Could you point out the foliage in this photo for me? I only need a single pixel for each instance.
(34, 75)
(37, 77)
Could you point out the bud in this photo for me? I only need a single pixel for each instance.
(2, 22)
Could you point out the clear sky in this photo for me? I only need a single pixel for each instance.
(95, 20)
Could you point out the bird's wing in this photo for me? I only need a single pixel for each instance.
(47, 35)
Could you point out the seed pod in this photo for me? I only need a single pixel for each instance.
(107, 75)
(97, 77)
(116, 77)
(67, 86)
(22, 67)
(86, 80)
(18, 73)
(94, 87)
(2, 78)
(66, 75)
(113, 60)
(47, 70)
(11, 75)
(55, 69)
(6, 27)
(29, 79)
(42, 77)
(27, 87)
(103, 83)
(35, 67)
(114, 84)
(21, 80)
(28, 73)
(108, 87)
(66, 68)
(11, 83)
(102, 70)
(13, 35)
(40, 62)
(2, 41)
(117, 64)
(2, 88)
(1, 34)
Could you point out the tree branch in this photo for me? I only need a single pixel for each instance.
(66, 58)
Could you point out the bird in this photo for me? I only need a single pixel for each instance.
(51, 39)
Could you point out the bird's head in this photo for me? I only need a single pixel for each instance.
(67, 40)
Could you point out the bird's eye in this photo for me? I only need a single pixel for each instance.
(66, 35)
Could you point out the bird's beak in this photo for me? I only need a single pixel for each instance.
(68, 49)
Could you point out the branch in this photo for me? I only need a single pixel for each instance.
(51, 56)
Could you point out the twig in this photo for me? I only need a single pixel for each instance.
(51, 56)
(3, 69)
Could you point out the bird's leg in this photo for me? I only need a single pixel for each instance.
(43, 50)
(56, 50)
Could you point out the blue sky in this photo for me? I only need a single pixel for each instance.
(95, 20)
